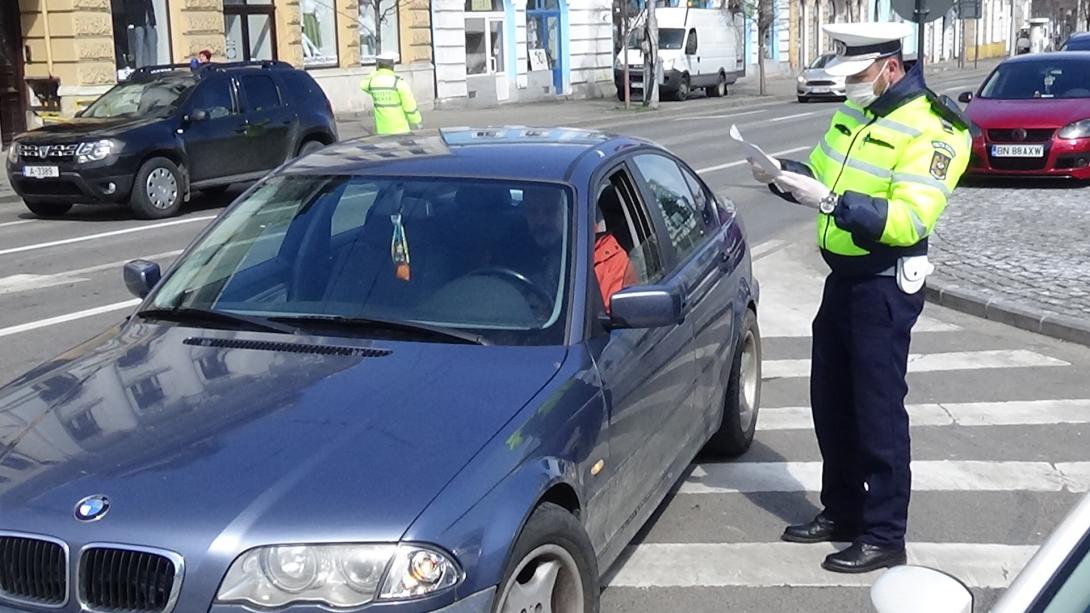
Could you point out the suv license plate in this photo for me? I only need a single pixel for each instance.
(1018, 151)
(41, 172)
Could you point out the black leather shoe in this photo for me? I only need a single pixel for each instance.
(863, 558)
(820, 530)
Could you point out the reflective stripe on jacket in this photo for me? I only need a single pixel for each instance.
(395, 108)
(894, 165)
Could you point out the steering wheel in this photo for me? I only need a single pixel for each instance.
(519, 279)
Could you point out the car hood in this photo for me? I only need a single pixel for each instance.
(87, 128)
(251, 441)
(819, 74)
(1037, 113)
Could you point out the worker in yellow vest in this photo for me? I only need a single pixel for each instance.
(395, 108)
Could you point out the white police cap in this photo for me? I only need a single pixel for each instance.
(387, 57)
(858, 45)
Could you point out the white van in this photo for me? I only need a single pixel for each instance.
(700, 49)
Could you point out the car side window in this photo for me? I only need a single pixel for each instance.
(624, 217)
(684, 224)
(703, 200)
(1072, 595)
(261, 92)
(214, 97)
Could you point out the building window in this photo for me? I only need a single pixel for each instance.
(141, 34)
(486, 6)
(251, 30)
(147, 392)
(380, 38)
(319, 32)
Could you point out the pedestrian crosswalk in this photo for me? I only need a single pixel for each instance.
(999, 423)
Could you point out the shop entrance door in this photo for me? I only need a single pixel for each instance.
(543, 23)
(485, 51)
(12, 88)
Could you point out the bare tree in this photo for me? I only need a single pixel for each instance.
(626, 20)
(762, 11)
(381, 10)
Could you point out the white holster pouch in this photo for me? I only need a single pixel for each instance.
(911, 273)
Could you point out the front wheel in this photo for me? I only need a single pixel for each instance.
(310, 147)
(682, 89)
(157, 191)
(743, 399)
(48, 209)
(552, 567)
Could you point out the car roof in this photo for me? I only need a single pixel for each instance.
(1079, 36)
(1051, 56)
(508, 152)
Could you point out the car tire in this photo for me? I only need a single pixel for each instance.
(682, 93)
(804, 99)
(309, 147)
(718, 90)
(48, 209)
(743, 397)
(551, 538)
(158, 190)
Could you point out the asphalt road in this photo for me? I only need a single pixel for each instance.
(995, 477)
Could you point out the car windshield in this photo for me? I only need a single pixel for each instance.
(140, 98)
(1081, 43)
(485, 257)
(821, 61)
(669, 38)
(1040, 79)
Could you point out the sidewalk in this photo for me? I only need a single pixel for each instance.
(1017, 255)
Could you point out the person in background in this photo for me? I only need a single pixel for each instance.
(395, 107)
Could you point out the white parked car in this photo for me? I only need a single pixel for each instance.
(1056, 580)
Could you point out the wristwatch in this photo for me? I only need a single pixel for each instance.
(828, 203)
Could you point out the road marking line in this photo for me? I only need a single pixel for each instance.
(16, 223)
(90, 237)
(765, 248)
(932, 362)
(782, 316)
(740, 162)
(970, 414)
(795, 116)
(24, 282)
(776, 564)
(927, 476)
(52, 321)
(695, 117)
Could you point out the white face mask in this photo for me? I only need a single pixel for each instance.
(863, 94)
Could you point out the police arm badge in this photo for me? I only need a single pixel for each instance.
(940, 160)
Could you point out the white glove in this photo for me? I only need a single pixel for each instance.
(806, 190)
(759, 173)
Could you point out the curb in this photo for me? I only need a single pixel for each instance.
(972, 302)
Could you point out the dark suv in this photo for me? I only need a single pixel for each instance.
(167, 130)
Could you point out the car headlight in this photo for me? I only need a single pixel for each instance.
(93, 152)
(13, 152)
(1079, 129)
(801, 79)
(336, 575)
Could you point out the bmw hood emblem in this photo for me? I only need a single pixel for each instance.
(92, 508)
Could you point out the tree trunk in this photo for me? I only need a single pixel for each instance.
(652, 60)
(378, 26)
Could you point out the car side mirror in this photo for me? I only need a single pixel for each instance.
(647, 306)
(141, 276)
(198, 115)
(965, 97)
(911, 589)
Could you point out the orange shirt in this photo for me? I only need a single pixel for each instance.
(611, 266)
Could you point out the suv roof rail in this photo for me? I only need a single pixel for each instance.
(266, 64)
(147, 70)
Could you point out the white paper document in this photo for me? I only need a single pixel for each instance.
(761, 158)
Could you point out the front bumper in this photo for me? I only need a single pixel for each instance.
(671, 79)
(819, 90)
(77, 183)
(1062, 159)
(479, 602)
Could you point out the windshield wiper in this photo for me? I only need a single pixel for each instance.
(420, 330)
(191, 315)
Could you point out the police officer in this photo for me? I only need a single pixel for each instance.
(880, 178)
(395, 108)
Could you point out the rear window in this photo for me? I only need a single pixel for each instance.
(303, 90)
(1081, 43)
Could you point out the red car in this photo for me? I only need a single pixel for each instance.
(1033, 115)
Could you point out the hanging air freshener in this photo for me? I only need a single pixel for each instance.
(399, 249)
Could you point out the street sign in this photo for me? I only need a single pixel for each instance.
(932, 9)
(969, 9)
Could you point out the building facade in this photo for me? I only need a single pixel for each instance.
(500, 51)
(58, 55)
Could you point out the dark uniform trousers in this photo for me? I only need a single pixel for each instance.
(857, 389)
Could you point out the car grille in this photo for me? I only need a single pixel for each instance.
(49, 187)
(33, 570)
(1019, 163)
(48, 152)
(821, 83)
(126, 580)
(1032, 136)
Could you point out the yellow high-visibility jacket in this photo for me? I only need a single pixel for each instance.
(395, 108)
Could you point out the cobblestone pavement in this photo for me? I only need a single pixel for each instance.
(1024, 244)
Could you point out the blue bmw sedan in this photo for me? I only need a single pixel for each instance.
(454, 371)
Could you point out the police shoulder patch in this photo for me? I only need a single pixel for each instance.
(940, 164)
